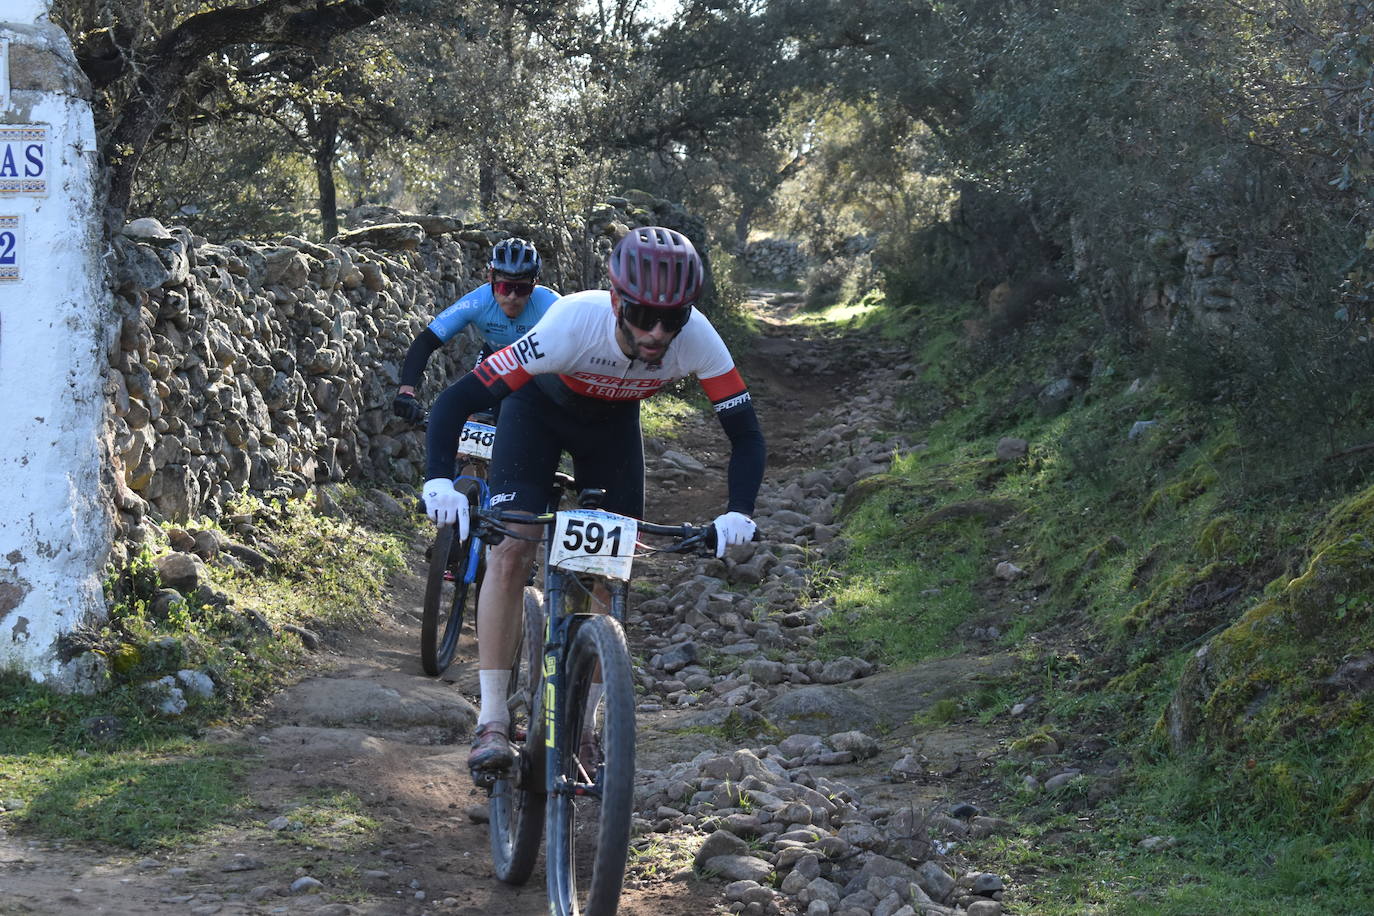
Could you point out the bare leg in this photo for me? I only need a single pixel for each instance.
(499, 608)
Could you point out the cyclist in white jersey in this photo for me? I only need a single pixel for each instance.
(574, 384)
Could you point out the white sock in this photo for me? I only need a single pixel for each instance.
(494, 684)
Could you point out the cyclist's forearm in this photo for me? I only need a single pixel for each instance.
(459, 401)
(748, 454)
(413, 369)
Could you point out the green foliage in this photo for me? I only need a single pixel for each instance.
(1303, 372)
(151, 633)
(1218, 642)
(329, 571)
(728, 313)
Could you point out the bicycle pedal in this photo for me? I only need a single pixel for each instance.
(486, 779)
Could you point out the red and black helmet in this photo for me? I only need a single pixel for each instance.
(656, 267)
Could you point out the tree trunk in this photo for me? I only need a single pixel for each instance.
(301, 23)
(742, 221)
(326, 148)
(486, 184)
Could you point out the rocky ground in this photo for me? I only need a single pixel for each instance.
(769, 781)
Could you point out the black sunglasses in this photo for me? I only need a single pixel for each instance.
(645, 316)
(513, 287)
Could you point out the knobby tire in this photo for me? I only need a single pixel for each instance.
(589, 836)
(516, 806)
(445, 600)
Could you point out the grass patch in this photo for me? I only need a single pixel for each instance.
(658, 857)
(1142, 550)
(906, 584)
(1142, 864)
(101, 768)
(665, 415)
(331, 820)
(328, 571)
(734, 729)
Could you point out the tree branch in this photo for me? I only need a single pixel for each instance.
(309, 24)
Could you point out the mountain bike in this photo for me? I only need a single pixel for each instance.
(574, 769)
(456, 565)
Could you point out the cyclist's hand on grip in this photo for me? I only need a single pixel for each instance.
(407, 408)
(732, 528)
(446, 505)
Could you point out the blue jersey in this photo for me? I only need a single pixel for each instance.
(479, 309)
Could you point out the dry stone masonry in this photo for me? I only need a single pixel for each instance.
(776, 259)
(268, 367)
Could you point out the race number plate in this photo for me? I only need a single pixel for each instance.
(591, 541)
(476, 440)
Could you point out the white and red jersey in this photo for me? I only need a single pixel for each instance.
(576, 340)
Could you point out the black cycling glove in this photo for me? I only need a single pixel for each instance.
(407, 408)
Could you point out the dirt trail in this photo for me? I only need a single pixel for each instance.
(368, 723)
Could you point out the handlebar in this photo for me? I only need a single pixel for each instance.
(492, 526)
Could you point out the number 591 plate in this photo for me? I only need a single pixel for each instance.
(591, 541)
(476, 440)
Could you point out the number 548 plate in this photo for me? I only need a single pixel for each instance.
(592, 541)
(476, 440)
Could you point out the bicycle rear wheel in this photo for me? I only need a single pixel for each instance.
(516, 806)
(589, 816)
(456, 568)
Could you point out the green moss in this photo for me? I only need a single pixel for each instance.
(1038, 744)
(1273, 679)
(1167, 595)
(1354, 515)
(1149, 558)
(1218, 538)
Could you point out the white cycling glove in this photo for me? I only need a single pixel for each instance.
(732, 528)
(446, 505)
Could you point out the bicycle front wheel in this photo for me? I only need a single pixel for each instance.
(589, 814)
(516, 806)
(455, 577)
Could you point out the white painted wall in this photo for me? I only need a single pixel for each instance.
(25, 12)
(54, 327)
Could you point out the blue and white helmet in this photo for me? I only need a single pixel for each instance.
(515, 258)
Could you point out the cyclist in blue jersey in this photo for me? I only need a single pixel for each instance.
(501, 310)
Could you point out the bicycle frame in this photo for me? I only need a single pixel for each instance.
(559, 628)
(475, 545)
(578, 651)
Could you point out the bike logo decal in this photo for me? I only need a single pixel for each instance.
(550, 710)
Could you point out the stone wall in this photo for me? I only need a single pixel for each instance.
(269, 367)
(1183, 279)
(779, 259)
